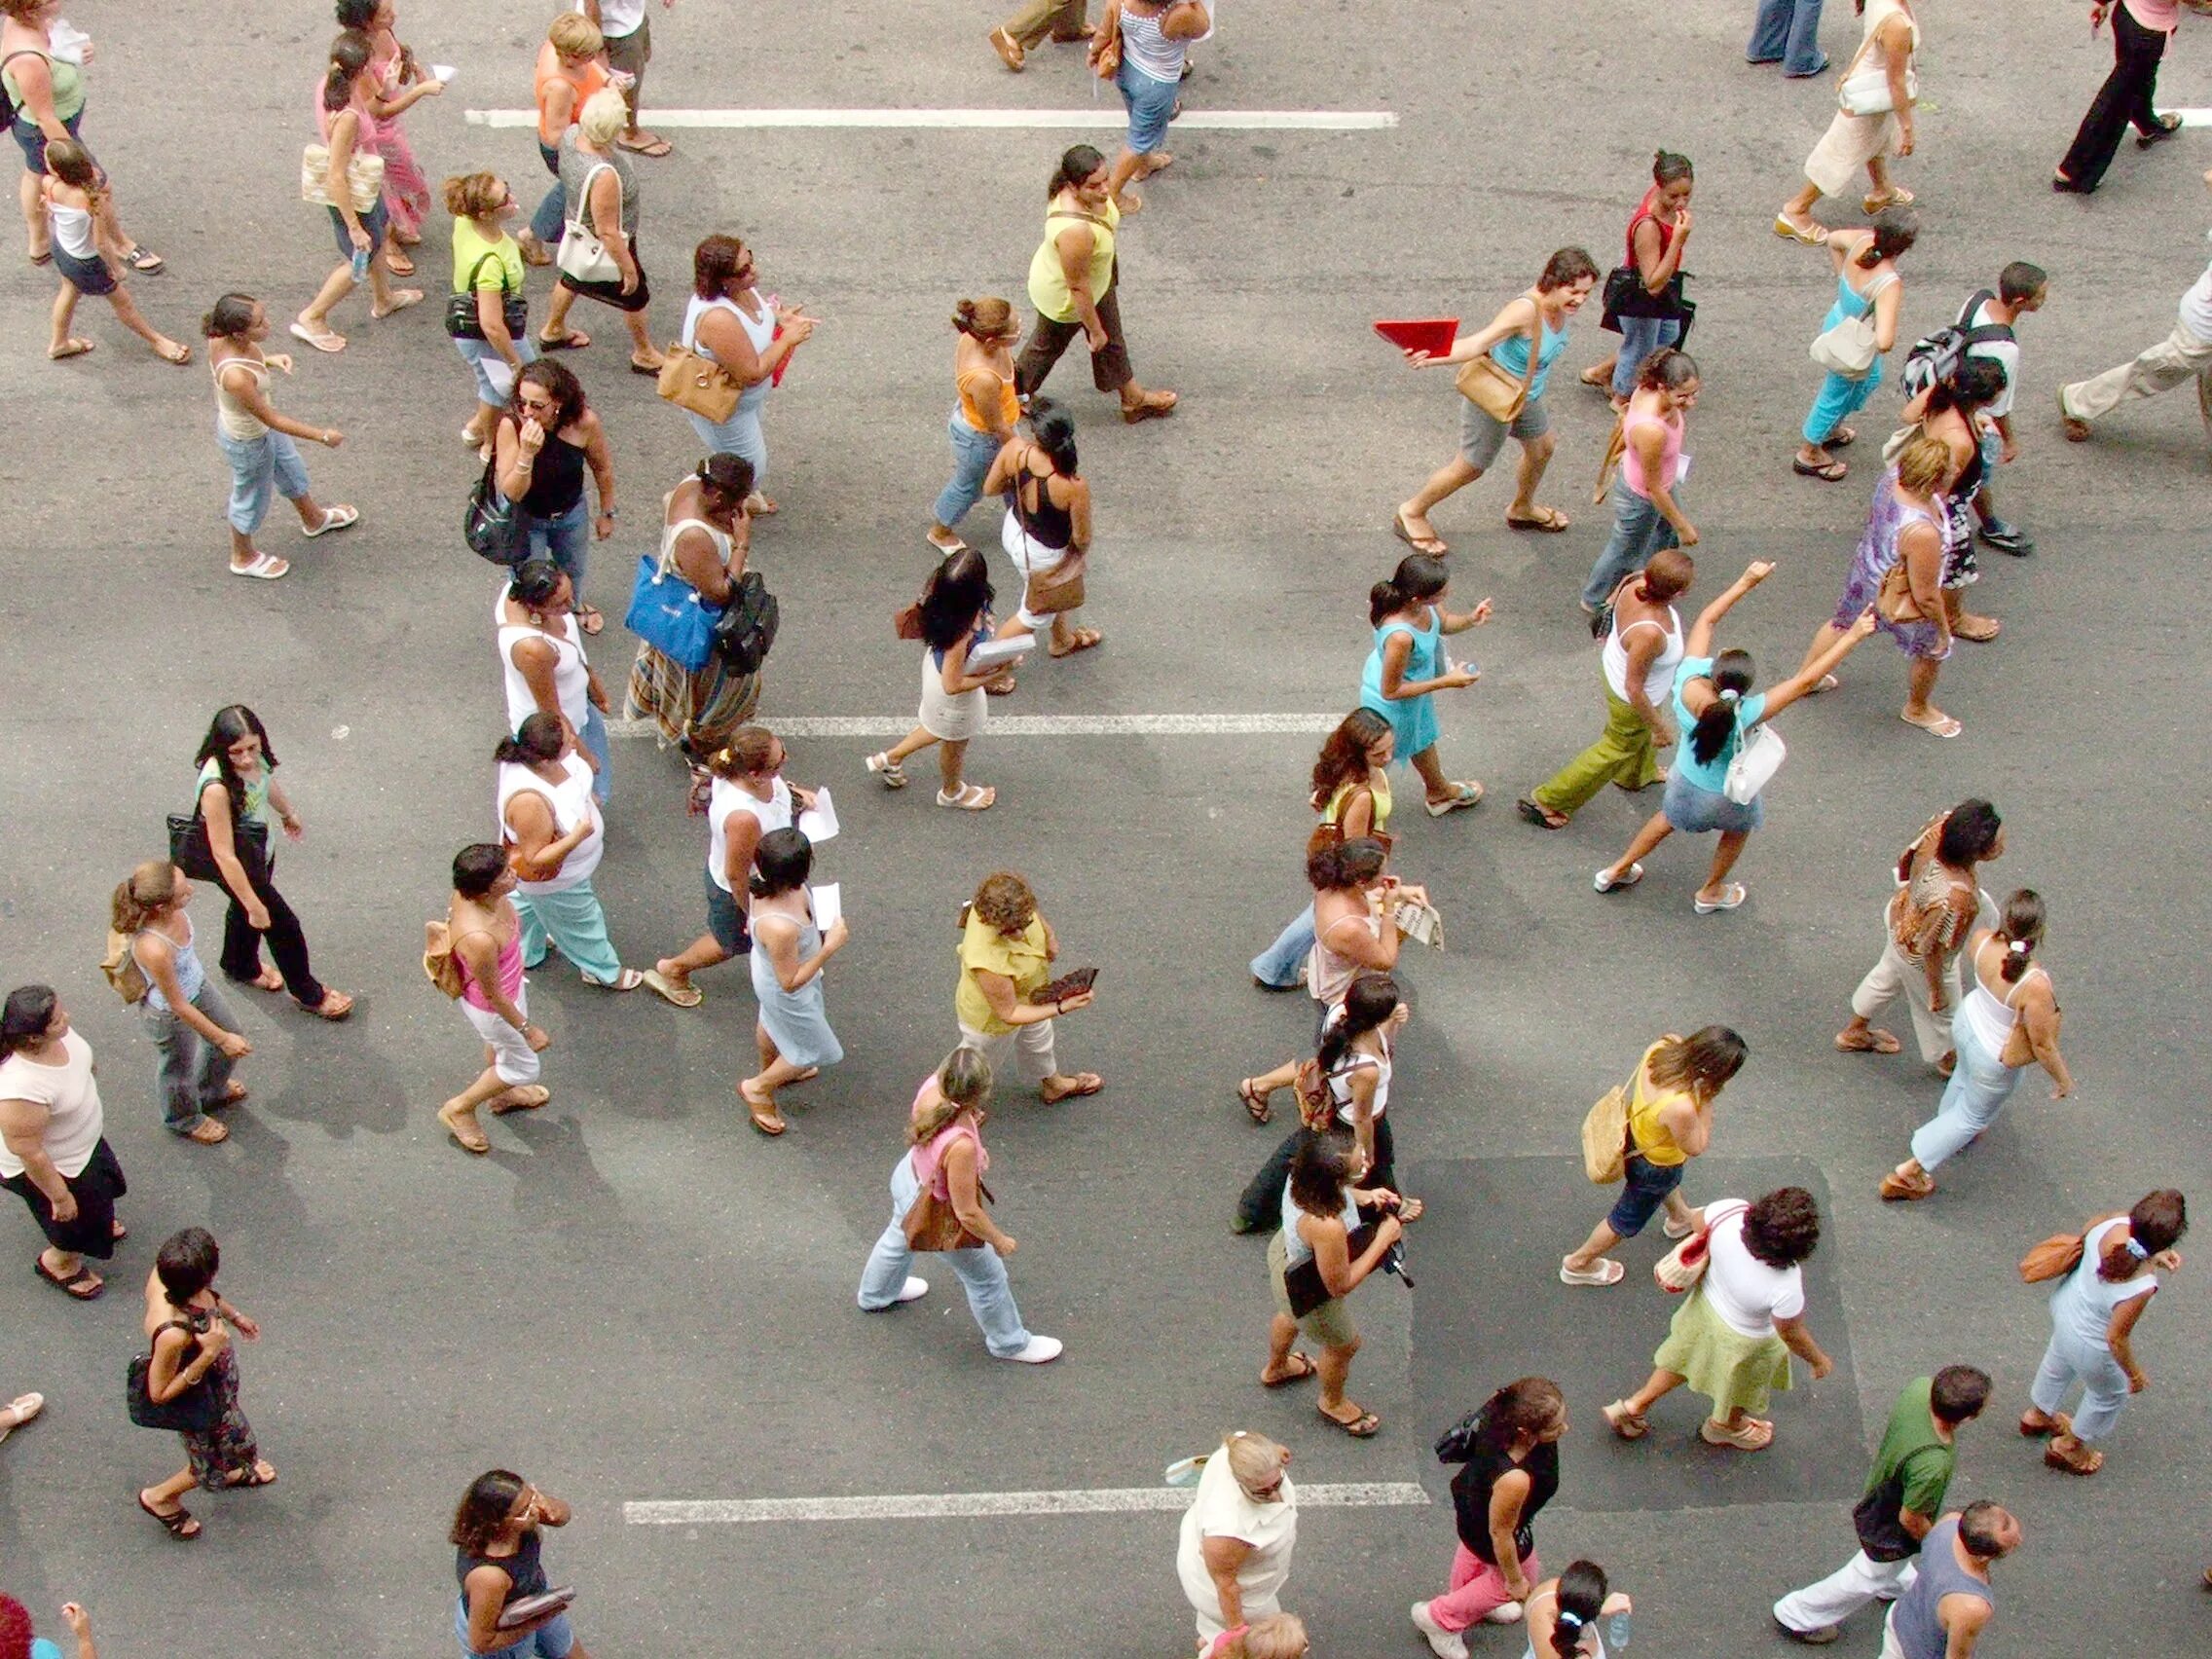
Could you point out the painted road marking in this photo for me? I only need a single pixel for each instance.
(912, 1506)
(2192, 116)
(1103, 118)
(1037, 726)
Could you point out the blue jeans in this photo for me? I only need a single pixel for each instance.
(553, 206)
(1640, 530)
(1150, 104)
(973, 453)
(2068, 1360)
(1644, 1187)
(574, 921)
(562, 539)
(1280, 963)
(1981, 1085)
(741, 434)
(194, 1072)
(1640, 336)
(594, 739)
(1837, 399)
(478, 354)
(260, 467)
(1789, 30)
(981, 1270)
(551, 1640)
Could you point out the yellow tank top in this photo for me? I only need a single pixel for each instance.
(1333, 812)
(1048, 284)
(1645, 1128)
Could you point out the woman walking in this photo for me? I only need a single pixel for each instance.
(1351, 789)
(1715, 708)
(2007, 1020)
(2140, 30)
(1636, 666)
(1646, 516)
(1321, 1212)
(53, 1151)
(1866, 287)
(1521, 344)
(571, 69)
(1670, 1121)
(2093, 1313)
(1658, 236)
(1954, 410)
(347, 128)
(552, 825)
(1564, 1612)
(1732, 1338)
(704, 538)
(984, 410)
(191, 1025)
(88, 253)
(1075, 284)
(497, 1556)
(1143, 44)
(401, 85)
(44, 82)
(602, 191)
(750, 339)
(1047, 526)
(484, 933)
(542, 665)
(257, 441)
(1897, 576)
(491, 328)
(1509, 1472)
(791, 950)
(1007, 949)
(189, 1325)
(1788, 32)
(1233, 1549)
(1889, 41)
(954, 613)
(540, 446)
(1408, 666)
(237, 787)
(945, 1159)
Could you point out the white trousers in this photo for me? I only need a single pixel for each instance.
(512, 1058)
(1898, 973)
(1892, 1648)
(1842, 1593)
(1032, 1046)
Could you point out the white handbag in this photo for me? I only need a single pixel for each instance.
(1864, 88)
(1759, 758)
(1850, 347)
(583, 256)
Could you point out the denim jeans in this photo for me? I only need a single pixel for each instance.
(1280, 963)
(1791, 30)
(981, 1270)
(1981, 1085)
(552, 213)
(1640, 336)
(594, 739)
(194, 1073)
(574, 921)
(562, 539)
(741, 434)
(552, 1640)
(973, 453)
(484, 361)
(261, 468)
(1640, 530)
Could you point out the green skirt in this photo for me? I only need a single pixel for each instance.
(1727, 1367)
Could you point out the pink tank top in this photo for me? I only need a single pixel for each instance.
(511, 975)
(929, 1156)
(1670, 451)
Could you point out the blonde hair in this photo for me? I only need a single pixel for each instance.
(474, 196)
(149, 890)
(1924, 465)
(603, 116)
(575, 35)
(1252, 1458)
(985, 319)
(1278, 1636)
(964, 1080)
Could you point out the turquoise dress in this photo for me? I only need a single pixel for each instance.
(1412, 719)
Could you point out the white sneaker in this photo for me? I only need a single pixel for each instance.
(1444, 1643)
(1040, 1351)
(1505, 1612)
(913, 1290)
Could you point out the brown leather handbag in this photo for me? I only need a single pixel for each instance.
(932, 1223)
(1893, 601)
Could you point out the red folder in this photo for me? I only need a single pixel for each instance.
(1433, 335)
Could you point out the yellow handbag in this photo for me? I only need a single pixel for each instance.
(364, 177)
(697, 384)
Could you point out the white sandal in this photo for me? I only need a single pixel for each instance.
(266, 568)
(894, 775)
(973, 797)
(333, 517)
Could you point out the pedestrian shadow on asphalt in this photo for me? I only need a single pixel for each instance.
(557, 1188)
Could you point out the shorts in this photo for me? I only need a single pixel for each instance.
(630, 54)
(1697, 811)
(611, 293)
(96, 1188)
(376, 221)
(726, 918)
(1482, 435)
(484, 361)
(1329, 1324)
(1150, 104)
(85, 276)
(1644, 1185)
(30, 137)
(512, 1058)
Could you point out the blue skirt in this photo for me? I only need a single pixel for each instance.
(796, 1021)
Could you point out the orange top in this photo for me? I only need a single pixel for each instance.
(976, 394)
(587, 81)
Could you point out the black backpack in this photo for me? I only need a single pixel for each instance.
(1937, 357)
(1457, 1444)
(745, 630)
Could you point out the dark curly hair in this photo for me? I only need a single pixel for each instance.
(1783, 1228)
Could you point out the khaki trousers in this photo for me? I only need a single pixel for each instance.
(2178, 357)
(1039, 17)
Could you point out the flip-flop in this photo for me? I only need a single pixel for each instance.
(893, 774)
(767, 1120)
(1628, 1424)
(1833, 472)
(1731, 895)
(83, 1285)
(1870, 1042)
(1607, 882)
(253, 1477)
(759, 506)
(1977, 636)
(1306, 1368)
(1086, 1083)
(208, 1133)
(1826, 683)
(72, 348)
(19, 1410)
(1896, 1189)
(46, 258)
(2167, 127)
(471, 1142)
(1752, 1437)
(591, 619)
(323, 339)
(1843, 438)
(653, 147)
(638, 368)
(335, 1006)
(333, 517)
(667, 990)
(529, 1097)
(1256, 1106)
(1896, 196)
(1433, 545)
(1541, 818)
(264, 568)
(177, 1522)
(1550, 520)
(1082, 640)
(943, 552)
(1360, 1428)
(629, 979)
(1604, 1271)
(232, 1096)
(397, 264)
(1410, 1210)
(269, 979)
(179, 357)
(574, 339)
(1948, 726)
(973, 797)
(143, 261)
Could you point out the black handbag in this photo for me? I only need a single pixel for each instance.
(1626, 295)
(190, 852)
(1302, 1283)
(461, 320)
(490, 525)
(745, 629)
(192, 1411)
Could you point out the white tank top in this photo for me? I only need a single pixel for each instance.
(668, 533)
(569, 679)
(235, 419)
(726, 797)
(1993, 1016)
(1659, 677)
(73, 230)
(1145, 49)
(572, 805)
(762, 334)
(1340, 1084)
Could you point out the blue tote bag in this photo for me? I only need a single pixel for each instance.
(668, 614)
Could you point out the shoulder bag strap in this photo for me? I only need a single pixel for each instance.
(583, 196)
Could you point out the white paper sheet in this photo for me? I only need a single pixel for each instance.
(994, 652)
(444, 72)
(819, 821)
(829, 904)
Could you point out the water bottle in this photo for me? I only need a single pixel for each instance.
(1616, 1632)
(360, 265)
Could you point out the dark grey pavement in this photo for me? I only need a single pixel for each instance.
(636, 1297)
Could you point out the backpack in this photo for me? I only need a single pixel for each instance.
(121, 968)
(1317, 1103)
(1457, 1444)
(1938, 356)
(745, 630)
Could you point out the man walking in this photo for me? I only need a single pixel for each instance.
(629, 36)
(1950, 1603)
(1987, 325)
(1905, 1495)
(2183, 354)
(1060, 21)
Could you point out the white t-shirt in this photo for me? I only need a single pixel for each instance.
(2197, 305)
(619, 18)
(1746, 1293)
(1221, 1509)
(72, 1099)
(2005, 354)
(726, 797)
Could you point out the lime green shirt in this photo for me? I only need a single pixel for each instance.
(256, 789)
(1048, 284)
(68, 85)
(501, 260)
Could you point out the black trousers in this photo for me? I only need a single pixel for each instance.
(1110, 369)
(1260, 1208)
(287, 943)
(96, 1188)
(2125, 98)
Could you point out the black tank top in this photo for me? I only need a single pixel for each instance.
(524, 1572)
(556, 481)
(1471, 1490)
(1047, 525)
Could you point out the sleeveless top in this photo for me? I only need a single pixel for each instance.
(1479, 1476)
(1993, 1014)
(1148, 51)
(1850, 301)
(1048, 283)
(726, 797)
(232, 418)
(974, 387)
(1040, 519)
(190, 975)
(1512, 355)
(67, 79)
(577, 170)
(1919, 1632)
(1669, 452)
(1378, 785)
(510, 971)
(1340, 1082)
(1328, 974)
(570, 680)
(1652, 1140)
(1425, 661)
(526, 1573)
(556, 478)
(587, 81)
(1659, 677)
(670, 532)
(927, 1159)
(73, 231)
(571, 804)
(2085, 1301)
(256, 788)
(1642, 212)
(761, 334)
(1296, 1251)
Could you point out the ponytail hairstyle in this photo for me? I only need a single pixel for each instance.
(2021, 930)
(985, 319)
(1418, 578)
(1076, 164)
(356, 14)
(535, 583)
(1342, 866)
(475, 195)
(1731, 677)
(745, 755)
(1668, 168)
(965, 1083)
(538, 738)
(1344, 753)
(1973, 383)
(146, 892)
(1670, 370)
(1701, 1064)
(29, 1011)
(2155, 1223)
(782, 861)
(1895, 229)
(349, 55)
(1528, 1407)
(1565, 268)
(1582, 1593)
(231, 317)
(1054, 428)
(71, 162)
(1370, 1002)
